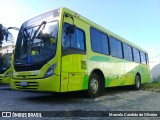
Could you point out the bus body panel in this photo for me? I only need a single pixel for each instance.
(5, 79)
(40, 83)
(50, 84)
(73, 71)
(5, 76)
(73, 66)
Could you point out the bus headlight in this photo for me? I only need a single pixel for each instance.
(50, 71)
(7, 74)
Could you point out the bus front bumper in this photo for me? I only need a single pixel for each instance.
(5, 80)
(50, 84)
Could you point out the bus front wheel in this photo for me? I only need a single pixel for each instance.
(94, 86)
(137, 82)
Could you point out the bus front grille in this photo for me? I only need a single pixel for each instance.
(30, 86)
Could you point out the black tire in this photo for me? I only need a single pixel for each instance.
(137, 85)
(94, 86)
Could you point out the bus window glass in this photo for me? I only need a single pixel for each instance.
(74, 40)
(116, 48)
(95, 40)
(36, 45)
(136, 55)
(127, 50)
(147, 60)
(143, 58)
(104, 44)
(99, 42)
(5, 61)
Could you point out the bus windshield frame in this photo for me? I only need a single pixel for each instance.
(36, 43)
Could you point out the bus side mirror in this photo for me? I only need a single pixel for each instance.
(7, 33)
(70, 29)
(73, 28)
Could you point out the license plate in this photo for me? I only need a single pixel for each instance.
(23, 83)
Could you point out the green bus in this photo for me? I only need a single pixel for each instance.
(61, 51)
(5, 64)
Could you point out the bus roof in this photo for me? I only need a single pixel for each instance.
(102, 29)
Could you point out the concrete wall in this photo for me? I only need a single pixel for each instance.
(155, 68)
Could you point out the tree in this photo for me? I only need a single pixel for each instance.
(5, 34)
(1, 33)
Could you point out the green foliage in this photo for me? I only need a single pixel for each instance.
(154, 86)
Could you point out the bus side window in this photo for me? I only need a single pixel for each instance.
(147, 60)
(116, 47)
(66, 37)
(99, 41)
(74, 40)
(127, 50)
(143, 58)
(136, 55)
(79, 41)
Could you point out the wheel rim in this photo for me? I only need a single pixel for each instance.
(94, 85)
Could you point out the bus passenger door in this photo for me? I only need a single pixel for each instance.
(73, 54)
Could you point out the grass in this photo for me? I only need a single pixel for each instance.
(154, 86)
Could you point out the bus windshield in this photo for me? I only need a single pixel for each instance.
(5, 61)
(36, 43)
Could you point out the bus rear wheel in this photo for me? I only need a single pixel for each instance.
(94, 86)
(137, 82)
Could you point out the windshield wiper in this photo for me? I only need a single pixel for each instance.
(24, 36)
(28, 60)
(35, 33)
